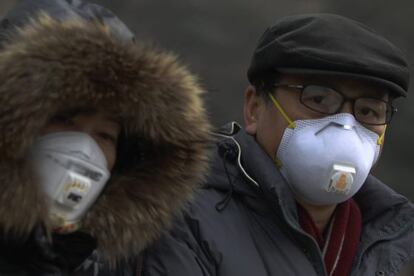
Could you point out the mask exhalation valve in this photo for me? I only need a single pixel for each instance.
(74, 190)
(341, 179)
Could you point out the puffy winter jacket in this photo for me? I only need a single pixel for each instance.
(245, 223)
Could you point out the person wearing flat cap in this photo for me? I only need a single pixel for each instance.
(291, 193)
(103, 140)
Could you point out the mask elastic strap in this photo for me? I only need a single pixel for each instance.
(380, 140)
(291, 124)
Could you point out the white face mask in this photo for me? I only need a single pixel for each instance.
(326, 161)
(72, 170)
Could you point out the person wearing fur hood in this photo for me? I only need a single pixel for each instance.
(103, 141)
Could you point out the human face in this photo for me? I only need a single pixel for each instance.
(265, 122)
(104, 130)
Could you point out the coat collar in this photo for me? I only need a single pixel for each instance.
(261, 172)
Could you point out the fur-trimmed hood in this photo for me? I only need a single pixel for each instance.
(49, 66)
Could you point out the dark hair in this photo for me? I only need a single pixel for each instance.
(264, 83)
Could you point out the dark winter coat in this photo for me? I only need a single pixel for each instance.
(245, 223)
(50, 66)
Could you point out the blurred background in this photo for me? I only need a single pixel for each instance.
(216, 40)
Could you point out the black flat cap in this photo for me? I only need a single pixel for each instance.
(329, 44)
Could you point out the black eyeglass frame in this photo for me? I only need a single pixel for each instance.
(345, 99)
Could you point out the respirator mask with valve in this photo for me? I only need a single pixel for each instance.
(326, 161)
(72, 170)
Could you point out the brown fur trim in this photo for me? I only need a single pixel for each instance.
(51, 66)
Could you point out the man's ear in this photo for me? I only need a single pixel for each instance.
(251, 109)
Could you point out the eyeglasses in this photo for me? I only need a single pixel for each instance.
(325, 100)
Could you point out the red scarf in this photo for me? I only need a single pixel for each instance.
(340, 244)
